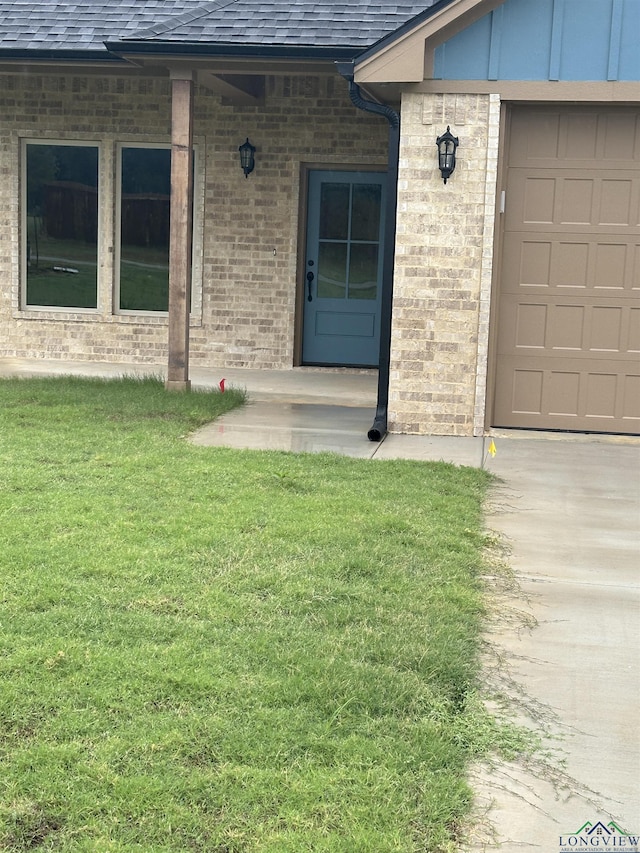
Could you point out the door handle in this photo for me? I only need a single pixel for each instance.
(310, 277)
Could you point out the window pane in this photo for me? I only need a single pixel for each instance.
(363, 271)
(62, 225)
(144, 229)
(332, 271)
(334, 212)
(365, 223)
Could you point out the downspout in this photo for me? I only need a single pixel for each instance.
(380, 423)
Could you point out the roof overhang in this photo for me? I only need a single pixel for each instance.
(235, 72)
(406, 56)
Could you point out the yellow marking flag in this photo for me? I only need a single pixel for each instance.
(492, 448)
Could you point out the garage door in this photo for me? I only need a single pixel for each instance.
(568, 343)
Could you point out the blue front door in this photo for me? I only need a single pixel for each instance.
(343, 268)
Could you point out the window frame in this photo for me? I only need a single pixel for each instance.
(196, 239)
(100, 237)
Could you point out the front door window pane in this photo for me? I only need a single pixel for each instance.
(145, 188)
(363, 271)
(366, 212)
(349, 239)
(332, 271)
(62, 225)
(334, 212)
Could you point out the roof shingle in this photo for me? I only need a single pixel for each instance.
(84, 26)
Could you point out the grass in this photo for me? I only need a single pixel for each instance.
(233, 652)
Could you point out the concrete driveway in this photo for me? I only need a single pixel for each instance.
(568, 509)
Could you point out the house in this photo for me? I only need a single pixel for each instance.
(506, 296)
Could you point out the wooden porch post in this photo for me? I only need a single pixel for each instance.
(180, 229)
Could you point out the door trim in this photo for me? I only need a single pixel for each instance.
(496, 273)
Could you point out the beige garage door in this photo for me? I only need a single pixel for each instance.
(568, 344)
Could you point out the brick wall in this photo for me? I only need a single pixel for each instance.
(244, 307)
(444, 256)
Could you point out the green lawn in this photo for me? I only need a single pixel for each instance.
(232, 652)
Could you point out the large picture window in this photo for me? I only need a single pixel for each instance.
(145, 187)
(61, 225)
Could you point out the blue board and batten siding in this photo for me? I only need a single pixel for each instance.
(588, 40)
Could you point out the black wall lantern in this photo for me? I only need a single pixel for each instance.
(247, 160)
(447, 144)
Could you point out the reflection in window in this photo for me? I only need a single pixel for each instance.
(62, 225)
(366, 212)
(334, 212)
(363, 271)
(145, 186)
(332, 270)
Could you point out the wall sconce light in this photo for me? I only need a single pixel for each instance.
(247, 160)
(447, 144)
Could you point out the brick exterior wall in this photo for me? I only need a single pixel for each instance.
(246, 241)
(444, 255)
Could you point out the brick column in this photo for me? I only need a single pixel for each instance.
(444, 250)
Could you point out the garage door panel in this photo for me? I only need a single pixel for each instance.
(575, 201)
(633, 340)
(614, 203)
(533, 200)
(606, 332)
(570, 264)
(537, 199)
(631, 400)
(577, 138)
(621, 131)
(567, 328)
(527, 262)
(534, 142)
(543, 394)
(568, 342)
(614, 266)
(559, 263)
(572, 327)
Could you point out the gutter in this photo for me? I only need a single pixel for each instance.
(52, 54)
(158, 47)
(380, 422)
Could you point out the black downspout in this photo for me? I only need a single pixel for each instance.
(380, 423)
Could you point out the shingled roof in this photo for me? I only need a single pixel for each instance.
(53, 26)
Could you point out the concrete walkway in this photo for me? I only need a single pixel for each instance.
(565, 643)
